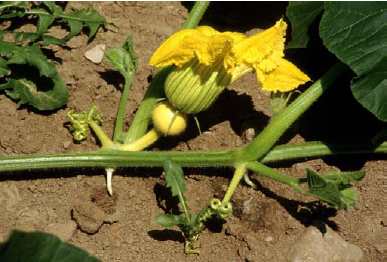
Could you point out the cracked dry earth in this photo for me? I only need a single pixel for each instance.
(270, 223)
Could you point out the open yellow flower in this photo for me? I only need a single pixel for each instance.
(211, 60)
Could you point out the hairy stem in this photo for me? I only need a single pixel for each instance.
(262, 170)
(102, 137)
(196, 14)
(120, 118)
(281, 122)
(143, 142)
(116, 158)
(240, 171)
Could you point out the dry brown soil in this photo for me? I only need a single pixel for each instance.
(266, 221)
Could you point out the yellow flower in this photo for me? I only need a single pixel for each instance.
(217, 59)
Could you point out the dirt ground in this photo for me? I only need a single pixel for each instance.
(75, 205)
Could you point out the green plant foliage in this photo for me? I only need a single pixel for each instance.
(41, 247)
(371, 90)
(123, 58)
(24, 90)
(301, 15)
(356, 32)
(334, 188)
(175, 181)
(48, 13)
(79, 127)
(26, 52)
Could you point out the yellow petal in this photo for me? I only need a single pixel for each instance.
(265, 47)
(284, 78)
(217, 45)
(178, 49)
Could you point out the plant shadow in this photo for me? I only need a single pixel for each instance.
(307, 213)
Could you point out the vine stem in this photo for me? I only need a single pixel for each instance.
(282, 121)
(115, 158)
(120, 118)
(266, 171)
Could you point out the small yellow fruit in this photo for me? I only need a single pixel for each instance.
(167, 120)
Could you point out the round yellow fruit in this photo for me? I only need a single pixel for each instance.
(167, 120)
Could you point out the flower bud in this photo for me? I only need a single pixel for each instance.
(194, 87)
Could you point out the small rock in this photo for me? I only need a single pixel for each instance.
(66, 144)
(96, 54)
(269, 239)
(313, 246)
(88, 217)
(62, 230)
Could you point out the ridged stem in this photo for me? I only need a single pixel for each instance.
(115, 158)
(281, 122)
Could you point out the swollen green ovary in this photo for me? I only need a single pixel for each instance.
(195, 87)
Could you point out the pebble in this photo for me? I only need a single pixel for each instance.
(313, 246)
(96, 54)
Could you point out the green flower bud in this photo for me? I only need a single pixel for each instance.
(195, 87)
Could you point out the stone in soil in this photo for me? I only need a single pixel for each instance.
(88, 217)
(313, 246)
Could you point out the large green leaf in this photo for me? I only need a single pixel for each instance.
(24, 90)
(41, 247)
(371, 90)
(301, 15)
(356, 32)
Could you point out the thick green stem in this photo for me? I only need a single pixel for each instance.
(240, 171)
(266, 171)
(141, 119)
(281, 122)
(317, 149)
(196, 14)
(155, 92)
(102, 137)
(120, 118)
(115, 158)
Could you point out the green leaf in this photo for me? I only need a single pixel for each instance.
(41, 247)
(25, 91)
(123, 58)
(370, 90)
(45, 20)
(11, 9)
(84, 17)
(335, 189)
(169, 220)
(175, 181)
(4, 70)
(301, 15)
(356, 32)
